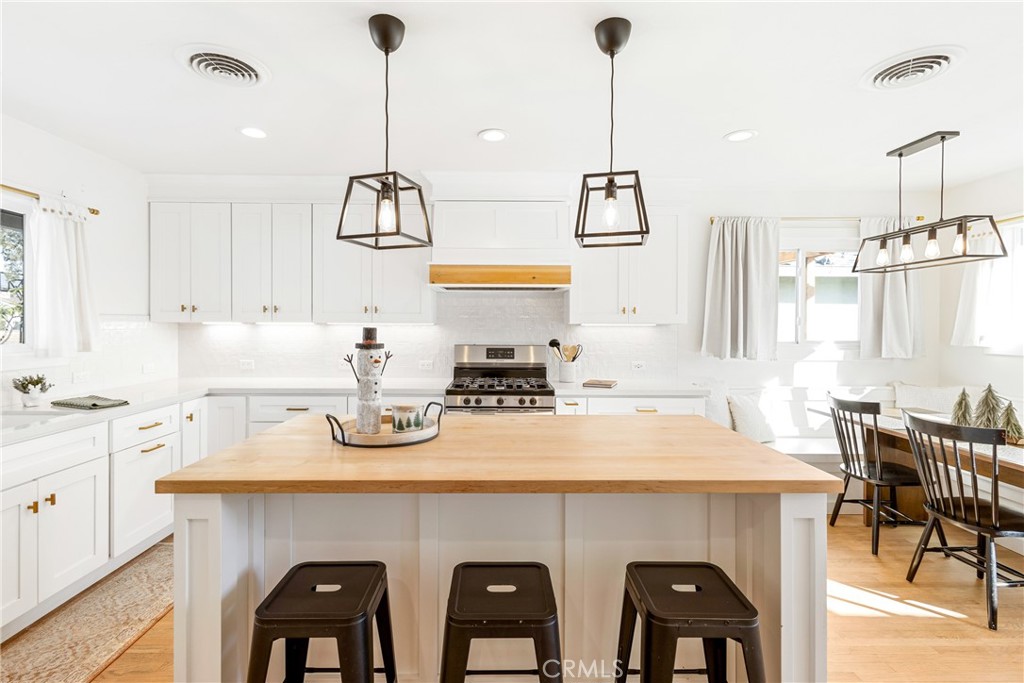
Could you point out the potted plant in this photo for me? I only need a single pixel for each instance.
(31, 387)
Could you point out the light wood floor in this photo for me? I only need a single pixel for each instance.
(880, 627)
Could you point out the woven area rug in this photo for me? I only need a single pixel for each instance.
(74, 643)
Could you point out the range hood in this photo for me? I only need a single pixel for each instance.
(464, 277)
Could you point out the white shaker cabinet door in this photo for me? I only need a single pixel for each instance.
(400, 290)
(600, 285)
(19, 520)
(292, 263)
(251, 253)
(193, 431)
(74, 524)
(657, 273)
(225, 422)
(210, 262)
(138, 510)
(169, 239)
(342, 271)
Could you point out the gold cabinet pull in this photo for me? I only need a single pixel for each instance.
(184, 308)
(646, 410)
(155, 424)
(296, 410)
(366, 309)
(634, 310)
(154, 448)
(34, 507)
(376, 309)
(189, 417)
(571, 403)
(51, 499)
(276, 309)
(623, 310)
(265, 309)
(194, 308)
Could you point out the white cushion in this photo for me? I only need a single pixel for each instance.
(748, 419)
(716, 407)
(939, 399)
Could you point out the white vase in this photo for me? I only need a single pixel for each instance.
(32, 398)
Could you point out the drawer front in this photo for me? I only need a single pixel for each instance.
(281, 408)
(570, 406)
(28, 460)
(645, 406)
(137, 511)
(126, 432)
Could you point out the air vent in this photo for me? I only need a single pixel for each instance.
(223, 65)
(912, 68)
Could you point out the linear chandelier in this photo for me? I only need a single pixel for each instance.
(387, 188)
(956, 230)
(607, 231)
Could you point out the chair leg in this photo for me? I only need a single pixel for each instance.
(983, 552)
(714, 659)
(839, 501)
(386, 637)
(355, 654)
(295, 652)
(941, 533)
(454, 655)
(876, 501)
(893, 503)
(657, 653)
(990, 584)
(549, 655)
(259, 656)
(922, 544)
(753, 657)
(627, 626)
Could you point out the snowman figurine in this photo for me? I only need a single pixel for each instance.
(368, 367)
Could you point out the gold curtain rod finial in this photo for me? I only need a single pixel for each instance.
(35, 196)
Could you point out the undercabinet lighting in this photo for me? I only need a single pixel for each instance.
(493, 135)
(740, 135)
(221, 324)
(282, 324)
(255, 133)
(618, 324)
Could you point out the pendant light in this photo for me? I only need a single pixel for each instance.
(954, 229)
(387, 189)
(603, 224)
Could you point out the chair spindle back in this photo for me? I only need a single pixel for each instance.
(851, 420)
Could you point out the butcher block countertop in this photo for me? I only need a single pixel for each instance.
(508, 454)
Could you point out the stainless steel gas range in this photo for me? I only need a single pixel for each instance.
(500, 379)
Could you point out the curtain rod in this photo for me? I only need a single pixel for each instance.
(822, 218)
(35, 195)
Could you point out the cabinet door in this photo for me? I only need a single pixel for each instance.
(225, 422)
(342, 279)
(18, 534)
(169, 278)
(600, 286)
(210, 262)
(193, 431)
(292, 263)
(657, 273)
(400, 290)
(137, 510)
(251, 255)
(74, 519)
(501, 225)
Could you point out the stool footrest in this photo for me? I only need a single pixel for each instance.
(702, 672)
(502, 672)
(336, 670)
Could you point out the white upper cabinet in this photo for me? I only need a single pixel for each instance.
(501, 232)
(271, 262)
(353, 284)
(190, 262)
(633, 285)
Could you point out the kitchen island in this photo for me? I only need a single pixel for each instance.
(583, 494)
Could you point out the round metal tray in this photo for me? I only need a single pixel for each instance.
(344, 432)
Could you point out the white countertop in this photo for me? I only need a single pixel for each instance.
(20, 424)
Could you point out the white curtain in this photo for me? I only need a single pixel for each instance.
(62, 318)
(992, 294)
(741, 304)
(890, 307)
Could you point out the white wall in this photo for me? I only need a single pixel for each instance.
(1002, 196)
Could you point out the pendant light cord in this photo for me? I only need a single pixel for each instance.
(387, 116)
(611, 116)
(899, 215)
(942, 181)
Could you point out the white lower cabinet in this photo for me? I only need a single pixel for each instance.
(570, 406)
(194, 434)
(18, 543)
(137, 510)
(645, 406)
(225, 419)
(281, 408)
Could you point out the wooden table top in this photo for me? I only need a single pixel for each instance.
(508, 454)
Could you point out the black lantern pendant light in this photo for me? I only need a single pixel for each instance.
(385, 189)
(606, 229)
(954, 229)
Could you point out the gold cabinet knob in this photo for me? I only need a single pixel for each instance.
(34, 507)
(634, 310)
(366, 309)
(184, 308)
(51, 499)
(623, 310)
(194, 308)
(189, 417)
(266, 308)
(276, 309)
(376, 309)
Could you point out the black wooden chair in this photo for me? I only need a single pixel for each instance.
(952, 494)
(862, 460)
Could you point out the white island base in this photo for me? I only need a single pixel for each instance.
(231, 549)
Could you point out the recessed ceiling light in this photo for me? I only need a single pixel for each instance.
(740, 135)
(257, 133)
(492, 135)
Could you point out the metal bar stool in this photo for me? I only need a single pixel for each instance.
(501, 600)
(326, 600)
(685, 600)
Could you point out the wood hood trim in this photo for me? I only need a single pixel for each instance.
(459, 275)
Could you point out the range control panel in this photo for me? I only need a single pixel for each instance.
(501, 353)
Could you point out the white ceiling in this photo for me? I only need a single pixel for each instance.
(104, 75)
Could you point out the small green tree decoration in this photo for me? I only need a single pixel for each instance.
(417, 421)
(962, 410)
(1008, 421)
(986, 413)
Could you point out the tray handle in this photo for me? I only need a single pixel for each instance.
(440, 412)
(334, 422)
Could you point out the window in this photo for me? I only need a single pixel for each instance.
(818, 295)
(12, 277)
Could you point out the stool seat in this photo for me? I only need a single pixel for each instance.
(699, 592)
(498, 592)
(338, 592)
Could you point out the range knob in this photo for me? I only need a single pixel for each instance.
(522, 401)
(533, 401)
(478, 401)
(465, 401)
(501, 401)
